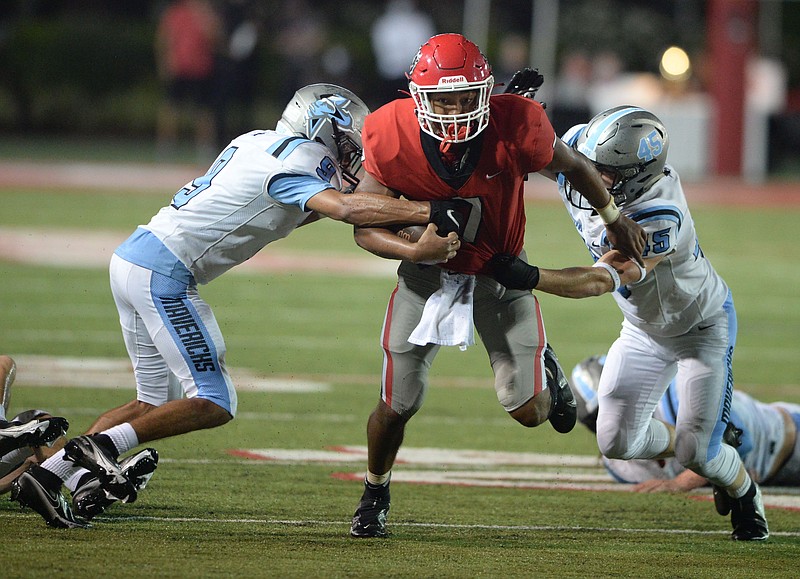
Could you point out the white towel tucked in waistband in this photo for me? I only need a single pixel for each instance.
(447, 317)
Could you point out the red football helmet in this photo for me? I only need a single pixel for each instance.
(450, 63)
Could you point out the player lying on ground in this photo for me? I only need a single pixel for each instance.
(764, 435)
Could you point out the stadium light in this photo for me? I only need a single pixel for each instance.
(675, 64)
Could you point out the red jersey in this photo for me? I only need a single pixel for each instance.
(518, 140)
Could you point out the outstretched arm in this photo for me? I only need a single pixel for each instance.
(611, 271)
(369, 209)
(374, 205)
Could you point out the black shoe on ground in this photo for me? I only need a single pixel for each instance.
(564, 409)
(369, 519)
(90, 499)
(51, 505)
(748, 518)
(84, 451)
(38, 432)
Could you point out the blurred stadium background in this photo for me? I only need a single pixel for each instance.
(721, 73)
(80, 168)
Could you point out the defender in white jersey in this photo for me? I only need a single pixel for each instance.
(679, 321)
(261, 187)
(765, 436)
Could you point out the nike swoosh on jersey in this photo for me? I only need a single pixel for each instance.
(449, 213)
(493, 175)
(701, 328)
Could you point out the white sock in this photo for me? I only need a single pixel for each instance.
(378, 479)
(72, 482)
(56, 464)
(123, 436)
(740, 492)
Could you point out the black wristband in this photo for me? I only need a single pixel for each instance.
(531, 277)
(514, 273)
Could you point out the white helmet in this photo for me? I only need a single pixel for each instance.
(331, 115)
(450, 63)
(585, 380)
(630, 143)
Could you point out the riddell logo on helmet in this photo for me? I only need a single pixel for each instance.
(448, 80)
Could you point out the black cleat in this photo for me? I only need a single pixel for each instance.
(732, 435)
(748, 518)
(90, 499)
(51, 505)
(369, 519)
(85, 452)
(564, 409)
(38, 432)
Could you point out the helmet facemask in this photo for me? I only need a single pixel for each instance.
(449, 63)
(626, 186)
(349, 152)
(458, 127)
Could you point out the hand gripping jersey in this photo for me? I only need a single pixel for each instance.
(518, 140)
(254, 193)
(684, 287)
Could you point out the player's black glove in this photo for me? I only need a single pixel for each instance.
(513, 272)
(450, 215)
(525, 83)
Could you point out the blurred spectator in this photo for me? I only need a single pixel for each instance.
(237, 69)
(513, 56)
(337, 64)
(396, 37)
(300, 42)
(571, 106)
(187, 40)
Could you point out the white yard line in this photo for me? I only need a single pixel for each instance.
(423, 525)
(114, 373)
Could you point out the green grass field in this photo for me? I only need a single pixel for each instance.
(209, 513)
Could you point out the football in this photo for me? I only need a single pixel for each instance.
(412, 232)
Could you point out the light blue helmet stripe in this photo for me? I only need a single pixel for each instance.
(593, 136)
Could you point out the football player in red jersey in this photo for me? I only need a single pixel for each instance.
(453, 139)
